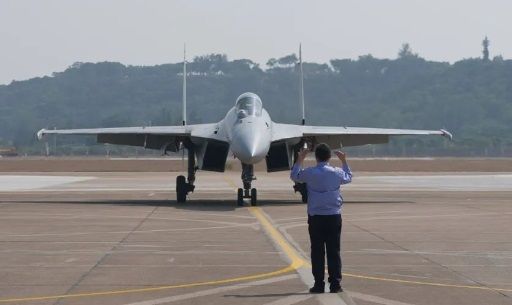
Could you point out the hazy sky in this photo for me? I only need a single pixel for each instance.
(40, 37)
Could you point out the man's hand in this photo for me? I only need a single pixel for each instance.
(341, 155)
(302, 155)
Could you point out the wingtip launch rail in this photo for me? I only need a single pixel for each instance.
(184, 114)
(303, 121)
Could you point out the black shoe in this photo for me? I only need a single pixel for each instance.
(317, 288)
(335, 288)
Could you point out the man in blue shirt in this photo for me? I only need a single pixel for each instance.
(324, 212)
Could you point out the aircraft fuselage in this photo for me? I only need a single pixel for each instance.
(248, 128)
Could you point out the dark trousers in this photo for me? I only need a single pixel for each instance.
(325, 233)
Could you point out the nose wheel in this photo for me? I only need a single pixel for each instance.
(247, 193)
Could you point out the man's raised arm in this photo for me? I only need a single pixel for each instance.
(298, 174)
(345, 172)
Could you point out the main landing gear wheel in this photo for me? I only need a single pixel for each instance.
(181, 189)
(304, 198)
(254, 197)
(302, 189)
(186, 185)
(240, 198)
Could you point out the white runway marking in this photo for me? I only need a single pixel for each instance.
(303, 218)
(294, 225)
(327, 298)
(84, 216)
(480, 182)
(160, 252)
(222, 215)
(144, 158)
(375, 299)
(191, 266)
(125, 232)
(153, 185)
(217, 290)
(292, 299)
(430, 216)
(10, 183)
(74, 215)
(493, 254)
(305, 272)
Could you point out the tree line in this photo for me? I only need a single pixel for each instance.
(472, 98)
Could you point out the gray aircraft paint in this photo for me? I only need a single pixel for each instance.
(250, 136)
(246, 131)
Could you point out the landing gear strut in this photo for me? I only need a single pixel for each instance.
(247, 191)
(183, 187)
(300, 187)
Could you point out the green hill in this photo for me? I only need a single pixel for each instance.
(472, 98)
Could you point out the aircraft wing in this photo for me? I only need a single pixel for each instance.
(345, 136)
(153, 137)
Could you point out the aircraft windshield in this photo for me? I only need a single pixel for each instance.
(249, 106)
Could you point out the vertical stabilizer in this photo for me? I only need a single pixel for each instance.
(302, 86)
(184, 114)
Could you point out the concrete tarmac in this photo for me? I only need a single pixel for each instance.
(120, 238)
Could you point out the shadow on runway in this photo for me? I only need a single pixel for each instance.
(192, 205)
(205, 205)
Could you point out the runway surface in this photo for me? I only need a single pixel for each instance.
(120, 238)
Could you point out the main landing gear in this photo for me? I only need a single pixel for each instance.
(185, 186)
(301, 188)
(247, 191)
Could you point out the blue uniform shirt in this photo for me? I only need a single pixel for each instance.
(323, 184)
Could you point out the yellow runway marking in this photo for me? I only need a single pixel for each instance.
(188, 285)
(296, 262)
(230, 182)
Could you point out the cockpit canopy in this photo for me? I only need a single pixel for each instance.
(248, 104)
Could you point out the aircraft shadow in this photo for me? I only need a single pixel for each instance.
(193, 205)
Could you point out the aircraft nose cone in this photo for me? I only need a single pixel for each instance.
(248, 152)
(249, 148)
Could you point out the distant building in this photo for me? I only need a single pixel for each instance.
(485, 51)
(8, 151)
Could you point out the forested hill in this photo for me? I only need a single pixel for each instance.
(472, 98)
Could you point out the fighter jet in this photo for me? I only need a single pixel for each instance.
(248, 132)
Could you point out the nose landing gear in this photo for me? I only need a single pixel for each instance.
(251, 193)
(247, 191)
